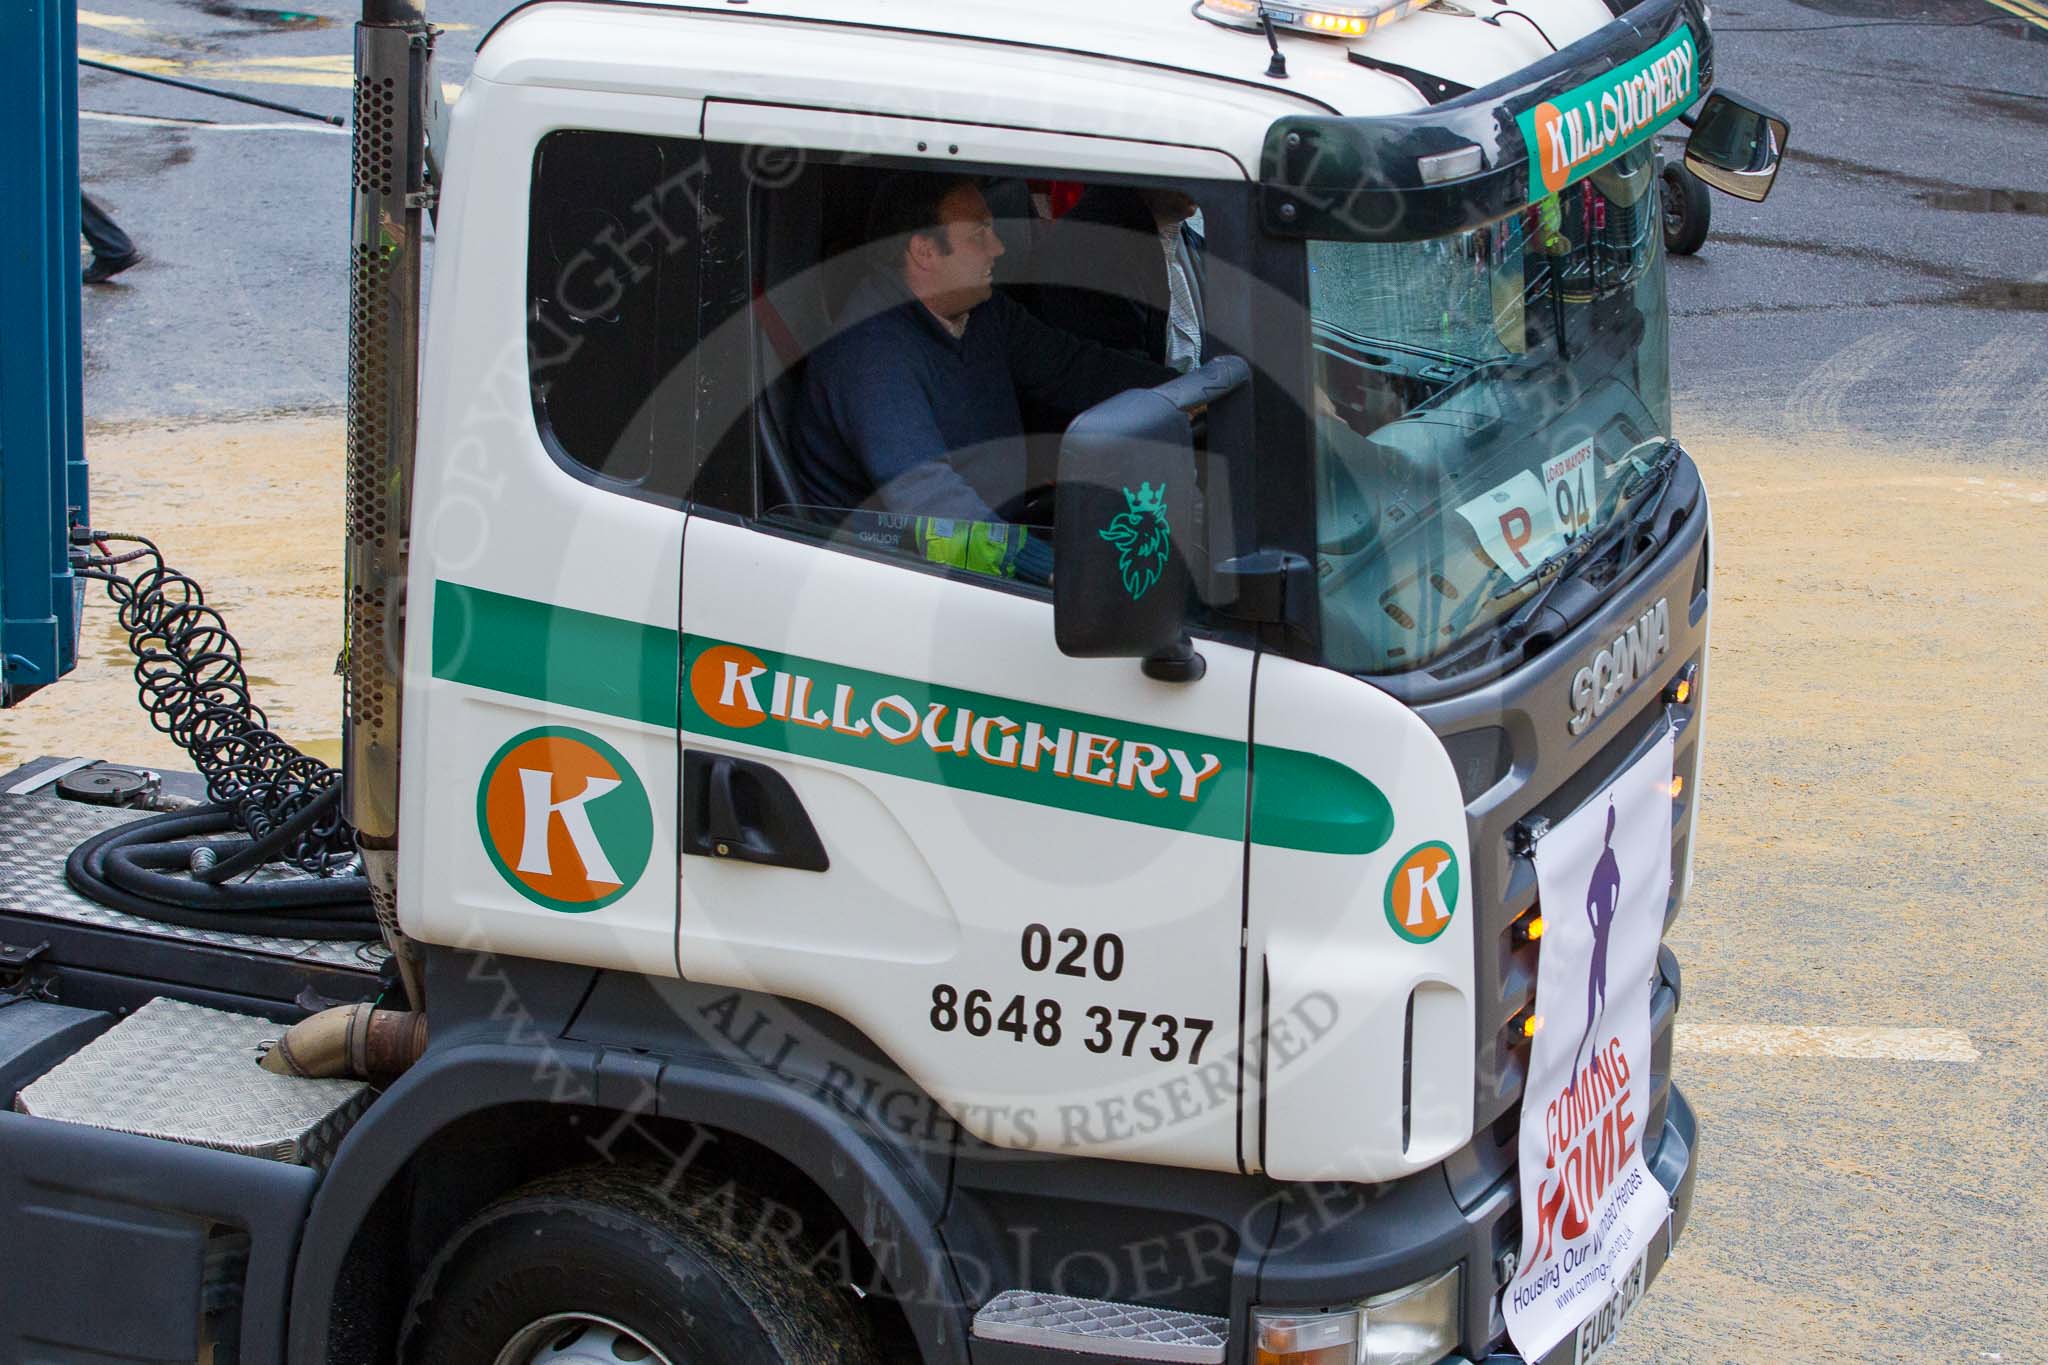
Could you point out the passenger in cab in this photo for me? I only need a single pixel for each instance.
(1124, 267)
(914, 406)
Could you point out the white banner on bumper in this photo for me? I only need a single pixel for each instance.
(1589, 1203)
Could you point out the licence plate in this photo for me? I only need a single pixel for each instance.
(1597, 1332)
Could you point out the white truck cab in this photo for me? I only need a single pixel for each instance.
(917, 959)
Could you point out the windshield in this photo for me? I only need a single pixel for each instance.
(1481, 400)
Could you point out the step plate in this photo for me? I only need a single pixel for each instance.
(187, 1074)
(1093, 1327)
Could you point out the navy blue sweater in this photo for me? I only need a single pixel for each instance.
(900, 415)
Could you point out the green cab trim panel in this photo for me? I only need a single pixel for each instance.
(555, 654)
(970, 741)
(1586, 127)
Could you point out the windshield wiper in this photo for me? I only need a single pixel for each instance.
(1653, 478)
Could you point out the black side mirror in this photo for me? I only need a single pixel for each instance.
(1127, 529)
(1736, 146)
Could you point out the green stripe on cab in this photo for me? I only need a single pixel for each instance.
(971, 741)
(555, 654)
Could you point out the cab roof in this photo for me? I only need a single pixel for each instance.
(1459, 41)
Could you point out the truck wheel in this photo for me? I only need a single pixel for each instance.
(594, 1268)
(1688, 210)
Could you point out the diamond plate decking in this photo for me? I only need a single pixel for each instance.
(38, 833)
(188, 1074)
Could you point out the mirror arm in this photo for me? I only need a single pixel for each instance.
(1180, 664)
(1272, 589)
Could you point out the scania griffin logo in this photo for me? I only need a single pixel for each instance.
(1616, 669)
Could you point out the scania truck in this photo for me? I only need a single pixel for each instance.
(748, 930)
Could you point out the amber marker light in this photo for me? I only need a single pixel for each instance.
(1337, 20)
(1535, 929)
(1679, 693)
(1280, 1338)
(1677, 787)
(1532, 1025)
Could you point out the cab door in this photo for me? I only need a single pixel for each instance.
(1020, 875)
(1031, 885)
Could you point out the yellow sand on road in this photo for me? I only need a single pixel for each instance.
(1872, 856)
(1923, 581)
(252, 510)
(1871, 864)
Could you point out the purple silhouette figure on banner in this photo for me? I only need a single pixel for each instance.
(1603, 899)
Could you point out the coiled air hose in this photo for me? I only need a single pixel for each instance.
(272, 805)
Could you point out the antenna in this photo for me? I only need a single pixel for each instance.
(1277, 68)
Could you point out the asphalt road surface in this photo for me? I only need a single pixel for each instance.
(1893, 288)
(1862, 369)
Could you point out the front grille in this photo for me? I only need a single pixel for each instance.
(1507, 982)
(1548, 774)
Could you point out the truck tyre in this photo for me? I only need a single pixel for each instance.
(1688, 210)
(598, 1266)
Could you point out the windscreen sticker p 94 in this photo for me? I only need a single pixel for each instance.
(1023, 751)
(1572, 481)
(1516, 524)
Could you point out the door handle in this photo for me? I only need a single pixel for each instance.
(742, 811)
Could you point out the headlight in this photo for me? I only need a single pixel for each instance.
(1415, 1325)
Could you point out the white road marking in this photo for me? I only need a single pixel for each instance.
(1856, 1043)
(153, 121)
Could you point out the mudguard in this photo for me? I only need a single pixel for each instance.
(516, 1032)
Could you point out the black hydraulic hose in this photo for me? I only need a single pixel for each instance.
(271, 846)
(273, 805)
(189, 669)
(129, 868)
(199, 89)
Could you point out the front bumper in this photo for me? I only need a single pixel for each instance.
(1675, 1165)
(1341, 1244)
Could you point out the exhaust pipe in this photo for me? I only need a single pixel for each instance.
(357, 1042)
(393, 47)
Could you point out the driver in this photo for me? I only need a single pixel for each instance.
(914, 406)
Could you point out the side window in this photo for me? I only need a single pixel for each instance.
(612, 282)
(880, 428)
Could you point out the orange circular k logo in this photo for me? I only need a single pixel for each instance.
(1423, 892)
(565, 819)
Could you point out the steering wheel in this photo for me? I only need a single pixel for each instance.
(1032, 508)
